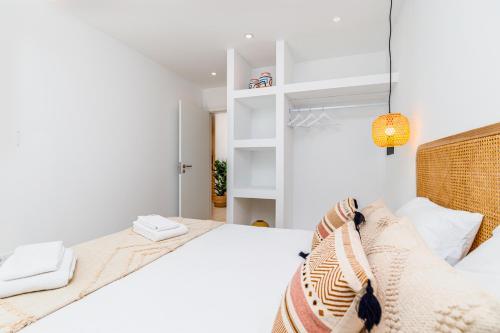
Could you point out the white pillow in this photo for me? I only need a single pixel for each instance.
(448, 232)
(484, 259)
(482, 264)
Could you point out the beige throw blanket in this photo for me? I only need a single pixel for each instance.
(100, 262)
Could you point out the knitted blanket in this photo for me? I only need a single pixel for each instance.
(100, 262)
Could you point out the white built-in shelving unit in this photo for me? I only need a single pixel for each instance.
(259, 149)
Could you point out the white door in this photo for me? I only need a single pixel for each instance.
(194, 162)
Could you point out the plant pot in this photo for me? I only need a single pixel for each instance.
(220, 201)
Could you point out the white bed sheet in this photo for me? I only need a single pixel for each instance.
(228, 280)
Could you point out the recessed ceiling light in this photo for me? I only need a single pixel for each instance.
(336, 19)
(248, 36)
(213, 74)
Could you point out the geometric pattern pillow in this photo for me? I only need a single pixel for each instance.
(418, 291)
(324, 293)
(339, 214)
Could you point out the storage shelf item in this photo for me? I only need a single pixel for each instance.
(263, 75)
(247, 211)
(255, 118)
(251, 65)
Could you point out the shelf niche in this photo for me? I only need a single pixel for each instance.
(247, 211)
(251, 64)
(255, 168)
(255, 118)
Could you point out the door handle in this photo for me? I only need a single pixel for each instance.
(182, 167)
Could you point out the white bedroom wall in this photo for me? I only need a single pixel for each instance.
(333, 162)
(88, 129)
(339, 67)
(447, 53)
(214, 99)
(221, 135)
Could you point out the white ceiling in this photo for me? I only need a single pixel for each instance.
(190, 36)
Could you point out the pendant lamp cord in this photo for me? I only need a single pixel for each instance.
(390, 57)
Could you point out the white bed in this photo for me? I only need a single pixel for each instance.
(219, 282)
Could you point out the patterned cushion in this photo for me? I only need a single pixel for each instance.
(339, 214)
(325, 291)
(420, 292)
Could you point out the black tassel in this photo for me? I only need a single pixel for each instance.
(355, 203)
(358, 220)
(369, 308)
(303, 255)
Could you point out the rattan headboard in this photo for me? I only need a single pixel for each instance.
(463, 172)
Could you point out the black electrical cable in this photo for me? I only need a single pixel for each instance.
(390, 57)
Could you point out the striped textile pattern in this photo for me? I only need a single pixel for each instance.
(338, 215)
(324, 292)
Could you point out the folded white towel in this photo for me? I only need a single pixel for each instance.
(44, 281)
(33, 259)
(157, 222)
(159, 235)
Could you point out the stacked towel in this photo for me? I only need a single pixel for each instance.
(158, 228)
(36, 267)
(33, 259)
(157, 222)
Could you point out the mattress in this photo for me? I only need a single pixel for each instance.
(230, 279)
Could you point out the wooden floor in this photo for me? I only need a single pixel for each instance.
(219, 214)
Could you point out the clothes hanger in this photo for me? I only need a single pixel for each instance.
(294, 120)
(306, 119)
(322, 116)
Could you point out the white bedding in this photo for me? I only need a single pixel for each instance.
(482, 265)
(228, 280)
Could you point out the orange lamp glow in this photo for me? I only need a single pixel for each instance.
(391, 130)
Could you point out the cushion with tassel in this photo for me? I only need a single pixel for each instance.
(418, 291)
(339, 214)
(333, 290)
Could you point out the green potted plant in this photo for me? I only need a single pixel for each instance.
(220, 177)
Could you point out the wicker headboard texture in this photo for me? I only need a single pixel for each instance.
(463, 172)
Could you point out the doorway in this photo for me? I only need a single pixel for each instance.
(219, 131)
(194, 161)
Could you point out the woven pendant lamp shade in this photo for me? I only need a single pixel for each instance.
(391, 130)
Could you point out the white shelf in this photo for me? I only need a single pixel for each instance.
(252, 209)
(255, 193)
(259, 172)
(358, 89)
(255, 117)
(257, 92)
(254, 144)
(254, 168)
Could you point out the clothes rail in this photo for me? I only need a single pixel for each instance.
(325, 108)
